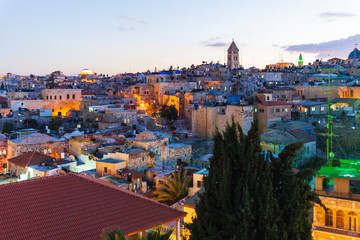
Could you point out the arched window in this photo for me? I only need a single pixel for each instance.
(329, 217)
(353, 221)
(47, 97)
(60, 97)
(55, 97)
(68, 96)
(73, 96)
(340, 219)
(50, 97)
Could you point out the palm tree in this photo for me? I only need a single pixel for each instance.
(112, 234)
(117, 234)
(156, 235)
(174, 188)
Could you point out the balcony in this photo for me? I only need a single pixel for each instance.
(337, 231)
(351, 196)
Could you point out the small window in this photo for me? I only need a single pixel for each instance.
(60, 97)
(47, 97)
(313, 109)
(199, 184)
(329, 217)
(322, 109)
(49, 150)
(68, 96)
(255, 109)
(50, 97)
(55, 97)
(278, 110)
(45, 151)
(73, 96)
(105, 169)
(286, 110)
(340, 219)
(261, 110)
(271, 110)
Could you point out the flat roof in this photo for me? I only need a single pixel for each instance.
(111, 160)
(349, 169)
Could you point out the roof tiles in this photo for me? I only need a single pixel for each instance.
(75, 207)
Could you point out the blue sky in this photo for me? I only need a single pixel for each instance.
(114, 36)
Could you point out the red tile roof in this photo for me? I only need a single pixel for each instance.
(262, 101)
(75, 207)
(30, 159)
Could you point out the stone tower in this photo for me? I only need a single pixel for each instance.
(300, 61)
(233, 56)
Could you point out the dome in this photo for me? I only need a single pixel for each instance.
(34, 138)
(355, 54)
(86, 71)
(214, 92)
(146, 135)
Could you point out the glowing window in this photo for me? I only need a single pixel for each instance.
(286, 110)
(322, 108)
(313, 109)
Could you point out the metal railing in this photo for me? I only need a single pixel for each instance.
(350, 195)
(337, 231)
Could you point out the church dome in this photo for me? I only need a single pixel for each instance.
(355, 54)
(145, 135)
(86, 71)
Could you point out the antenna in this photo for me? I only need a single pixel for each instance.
(356, 45)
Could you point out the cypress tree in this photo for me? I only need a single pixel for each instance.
(250, 194)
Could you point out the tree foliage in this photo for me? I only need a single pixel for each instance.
(51, 83)
(175, 187)
(55, 123)
(30, 123)
(8, 127)
(170, 113)
(250, 194)
(153, 110)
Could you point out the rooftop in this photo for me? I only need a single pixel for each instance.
(111, 160)
(348, 168)
(75, 207)
(34, 138)
(30, 159)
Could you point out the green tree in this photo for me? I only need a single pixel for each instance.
(55, 123)
(152, 110)
(50, 83)
(30, 123)
(112, 234)
(175, 187)
(248, 193)
(170, 113)
(8, 127)
(117, 234)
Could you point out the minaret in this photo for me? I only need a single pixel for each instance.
(300, 61)
(233, 56)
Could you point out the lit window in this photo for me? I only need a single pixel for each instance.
(322, 108)
(305, 109)
(313, 109)
(45, 151)
(49, 150)
(255, 110)
(286, 110)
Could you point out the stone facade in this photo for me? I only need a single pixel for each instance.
(178, 151)
(61, 101)
(54, 148)
(206, 120)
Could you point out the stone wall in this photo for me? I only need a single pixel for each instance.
(179, 151)
(57, 147)
(206, 120)
(335, 204)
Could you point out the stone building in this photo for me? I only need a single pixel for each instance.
(3, 153)
(207, 119)
(270, 112)
(60, 101)
(50, 146)
(339, 190)
(233, 56)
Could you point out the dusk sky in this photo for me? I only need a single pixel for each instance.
(116, 36)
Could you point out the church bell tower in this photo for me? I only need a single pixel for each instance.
(233, 56)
